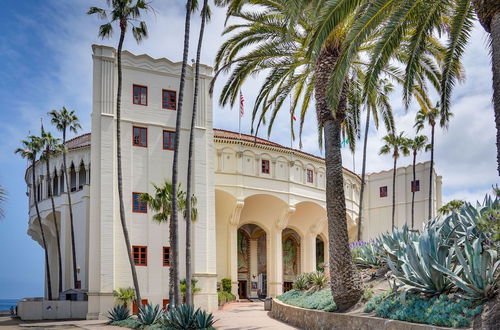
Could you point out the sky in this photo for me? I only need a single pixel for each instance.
(45, 51)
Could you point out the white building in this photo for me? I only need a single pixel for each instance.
(261, 206)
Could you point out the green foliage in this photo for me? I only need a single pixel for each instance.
(452, 206)
(118, 313)
(226, 284)
(313, 281)
(124, 295)
(370, 255)
(375, 301)
(441, 311)
(128, 323)
(301, 282)
(186, 317)
(149, 314)
(489, 222)
(194, 289)
(367, 294)
(320, 300)
(224, 297)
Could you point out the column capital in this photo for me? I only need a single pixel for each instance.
(318, 226)
(285, 215)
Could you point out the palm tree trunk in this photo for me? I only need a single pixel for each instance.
(58, 239)
(174, 229)
(47, 265)
(413, 190)
(189, 275)
(123, 26)
(363, 173)
(394, 193)
(73, 245)
(431, 171)
(495, 64)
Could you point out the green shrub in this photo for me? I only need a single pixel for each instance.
(128, 323)
(226, 284)
(367, 294)
(224, 297)
(319, 300)
(186, 317)
(441, 311)
(149, 314)
(313, 281)
(301, 282)
(118, 313)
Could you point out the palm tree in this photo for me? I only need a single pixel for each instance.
(3, 198)
(124, 12)
(205, 15)
(431, 116)
(396, 144)
(51, 147)
(29, 150)
(454, 19)
(124, 295)
(377, 103)
(280, 47)
(64, 120)
(417, 144)
(175, 294)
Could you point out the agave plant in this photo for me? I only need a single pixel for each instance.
(370, 256)
(301, 282)
(186, 317)
(204, 320)
(477, 277)
(118, 313)
(149, 314)
(316, 281)
(395, 242)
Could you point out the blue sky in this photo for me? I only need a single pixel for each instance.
(45, 51)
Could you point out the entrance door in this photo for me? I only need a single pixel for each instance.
(287, 286)
(242, 289)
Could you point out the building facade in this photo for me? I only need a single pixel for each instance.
(261, 206)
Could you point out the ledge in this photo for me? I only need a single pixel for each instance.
(314, 319)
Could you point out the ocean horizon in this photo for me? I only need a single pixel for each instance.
(5, 304)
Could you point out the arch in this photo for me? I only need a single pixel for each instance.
(82, 176)
(320, 252)
(352, 228)
(72, 177)
(291, 249)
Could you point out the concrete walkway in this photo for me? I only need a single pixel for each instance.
(246, 315)
(9, 323)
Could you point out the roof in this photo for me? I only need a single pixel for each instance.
(78, 142)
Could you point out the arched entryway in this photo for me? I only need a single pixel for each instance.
(291, 257)
(320, 253)
(252, 262)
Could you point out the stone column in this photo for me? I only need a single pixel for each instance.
(308, 257)
(253, 266)
(234, 221)
(87, 173)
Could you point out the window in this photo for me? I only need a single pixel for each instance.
(265, 166)
(310, 176)
(165, 304)
(383, 191)
(140, 96)
(166, 256)
(168, 140)
(138, 206)
(135, 309)
(415, 186)
(168, 99)
(140, 254)
(140, 137)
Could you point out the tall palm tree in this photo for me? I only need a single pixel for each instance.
(280, 47)
(431, 116)
(395, 144)
(29, 150)
(51, 147)
(123, 12)
(205, 15)
(175, 294)
(124, 295)
(378, 105)
(65, 120)
(417, 144)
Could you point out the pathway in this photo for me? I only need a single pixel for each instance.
(247, 316)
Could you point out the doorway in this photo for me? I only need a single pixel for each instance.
(242, 289)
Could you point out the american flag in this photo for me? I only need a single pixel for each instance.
(242, 105)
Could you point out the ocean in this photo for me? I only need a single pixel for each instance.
(6, 303)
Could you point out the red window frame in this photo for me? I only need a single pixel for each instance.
(383, 191)
(142, 207)
(134, 86)
(169, 105)
(265, 166)
(133, 136)
(170, 134)
(415, 187)
(140, 253)
(135, 308)
(310, 176)
(166, 256)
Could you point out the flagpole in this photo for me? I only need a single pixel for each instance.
(239, 125)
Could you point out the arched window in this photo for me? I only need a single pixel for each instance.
(62, 184)
(55, 184)
(72, 178)
(82, 176)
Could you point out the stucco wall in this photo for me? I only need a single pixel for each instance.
(52, 310)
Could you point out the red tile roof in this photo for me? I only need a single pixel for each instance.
(78, 142)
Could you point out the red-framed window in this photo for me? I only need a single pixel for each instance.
(265, 166)
(168, 99)
(415, 186)
(138, 206)
(140, 254)
(140, 136)
(310, 176)
(135, 309)
(140, 95)
(166, 256)
(165, 304)
(168, 140)
(383, 191)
